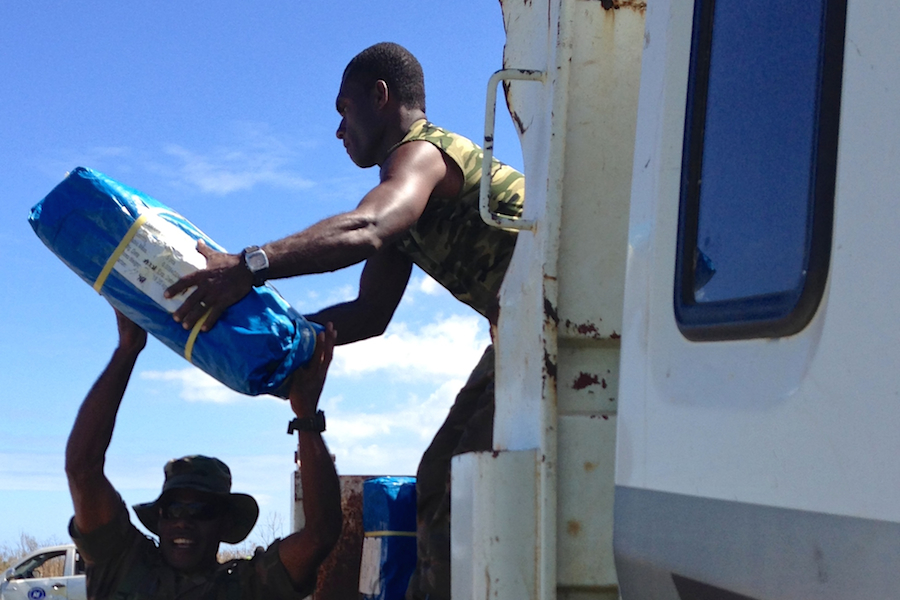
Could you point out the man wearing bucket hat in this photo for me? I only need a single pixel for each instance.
(196, 509)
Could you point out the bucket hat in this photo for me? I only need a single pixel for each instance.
(211, 476)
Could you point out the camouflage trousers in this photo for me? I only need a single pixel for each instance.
(469, 427)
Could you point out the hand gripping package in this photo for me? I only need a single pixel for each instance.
(130, 248)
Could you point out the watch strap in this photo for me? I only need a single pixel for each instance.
(314, 423)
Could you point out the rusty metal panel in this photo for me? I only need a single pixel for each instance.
(339, 573)
(558, 340)
(585, 509)
(602, 94)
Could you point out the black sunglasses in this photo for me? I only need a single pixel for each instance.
(199, 511)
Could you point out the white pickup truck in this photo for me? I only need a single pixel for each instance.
(52, 573)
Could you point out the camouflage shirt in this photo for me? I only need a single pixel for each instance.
(126, 565)
(450, 241)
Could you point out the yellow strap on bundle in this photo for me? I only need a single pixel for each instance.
(189, 347)
(114, 257)
(390, 534)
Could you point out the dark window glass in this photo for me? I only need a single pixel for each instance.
(759, 165)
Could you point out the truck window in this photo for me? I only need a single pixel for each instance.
(50, 564)
(758, 169)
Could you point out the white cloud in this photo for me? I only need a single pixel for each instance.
(421, 285)
(315, 299)
(252, 156)
(225, 171)
(256, 157)
(388, 442)
(449, 347)
(376, 459)
(196, 386)
(262, 476)
(419, 418)
(427, 286)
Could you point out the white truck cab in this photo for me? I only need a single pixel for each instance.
(52, 573)
(697, 391)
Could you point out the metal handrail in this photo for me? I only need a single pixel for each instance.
(490, 111)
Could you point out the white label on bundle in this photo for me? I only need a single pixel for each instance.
(370, 567)
(159, 255)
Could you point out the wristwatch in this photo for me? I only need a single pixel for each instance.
(257, 263)
(315, 423)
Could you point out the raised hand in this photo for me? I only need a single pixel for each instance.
(132, 338)
(308, 381)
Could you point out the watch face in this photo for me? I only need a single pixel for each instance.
(257, 260)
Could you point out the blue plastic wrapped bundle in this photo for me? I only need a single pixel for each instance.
(130, 248)
(389, 546)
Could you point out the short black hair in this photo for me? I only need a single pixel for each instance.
(396, 66)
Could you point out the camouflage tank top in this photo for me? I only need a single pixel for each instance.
(450, 241)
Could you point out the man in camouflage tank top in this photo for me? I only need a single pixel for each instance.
(424, 211)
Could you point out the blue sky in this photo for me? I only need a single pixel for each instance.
(225, 112)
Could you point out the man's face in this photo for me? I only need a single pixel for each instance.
(190, 526)
(361, 127)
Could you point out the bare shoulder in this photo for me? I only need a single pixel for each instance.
(423, 160)
(412, 156)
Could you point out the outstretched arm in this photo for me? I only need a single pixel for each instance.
(381, 288)
(408, 178)
(94, 497)
(302, 552)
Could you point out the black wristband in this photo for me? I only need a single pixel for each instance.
(316, 423)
